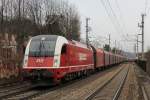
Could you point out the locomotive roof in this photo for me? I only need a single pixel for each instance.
(79, 44)
(55, 37)
(45, 37)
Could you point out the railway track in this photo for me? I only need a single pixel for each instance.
(143, 89)
(9, 83)
(30, 92)
(12, 90)
(116, 96)
(144, 92)
(36, 91)
(78, 90)
(107, 90)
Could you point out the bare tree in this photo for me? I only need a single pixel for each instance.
(33, 17)
(64, 16)
(2, 13)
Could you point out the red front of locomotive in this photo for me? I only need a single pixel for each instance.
(42, 58)
(52, 57)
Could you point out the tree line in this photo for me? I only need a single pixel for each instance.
(33, 17)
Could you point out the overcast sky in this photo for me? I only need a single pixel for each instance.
(124, 19)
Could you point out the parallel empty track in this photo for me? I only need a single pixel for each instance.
(26, 92)
(112, 88)
(143, 89)
(14, 89)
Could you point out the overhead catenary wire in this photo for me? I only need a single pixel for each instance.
(116, 19)
(121, 17)
(146, 5)
(109, 15)
(105, 40)
(113, 17)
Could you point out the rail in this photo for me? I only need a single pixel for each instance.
(93, 94)
(116, 96)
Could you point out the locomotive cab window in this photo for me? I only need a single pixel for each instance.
(42, 48)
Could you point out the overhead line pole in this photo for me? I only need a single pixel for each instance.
(109, 42)
(137, 46)
(87, 31)
(142, 27)
(115, 46)
(143, 36)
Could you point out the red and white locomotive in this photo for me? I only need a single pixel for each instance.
(53, 58)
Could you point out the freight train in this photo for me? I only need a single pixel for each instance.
(52, 58)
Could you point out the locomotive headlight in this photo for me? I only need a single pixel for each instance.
(25, 62)
(55, 62)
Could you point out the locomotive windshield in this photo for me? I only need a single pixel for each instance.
(42, 47)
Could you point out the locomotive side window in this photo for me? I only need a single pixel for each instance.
(63, 55)
(63, 50)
